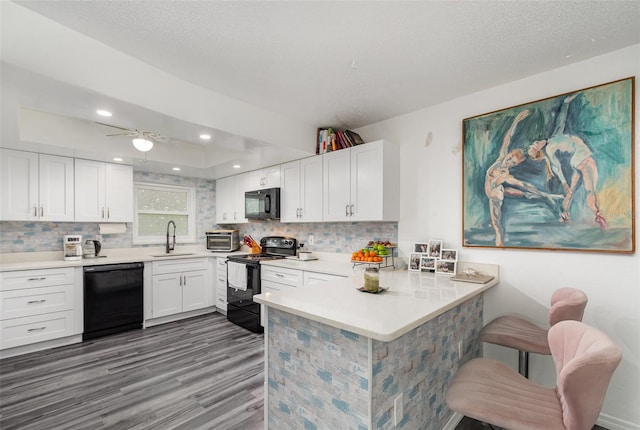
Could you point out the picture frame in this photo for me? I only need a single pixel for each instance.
(428, 263)
(445, 267)
(435, 248)
(414, 261)
(421, 247)
(449, 254)
(553, 174)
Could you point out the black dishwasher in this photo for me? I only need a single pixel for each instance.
(112, 299)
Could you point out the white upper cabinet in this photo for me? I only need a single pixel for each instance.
(230, 199)
(362, 183)
(36, 187)
(104, 192)
(301, 190)
(268, 177)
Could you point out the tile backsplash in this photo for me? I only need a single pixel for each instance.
(30, 236)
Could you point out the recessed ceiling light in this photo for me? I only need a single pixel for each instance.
(177, 169)
(205, 136)
(103, 112)
(236, 166)
(117, 159)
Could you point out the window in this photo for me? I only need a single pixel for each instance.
(158, 204)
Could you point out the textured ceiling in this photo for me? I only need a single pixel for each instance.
(349, 64)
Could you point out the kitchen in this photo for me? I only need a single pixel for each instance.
(427, 207)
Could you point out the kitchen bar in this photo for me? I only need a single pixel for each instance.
(337, 357)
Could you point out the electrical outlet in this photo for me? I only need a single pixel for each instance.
(397, 410)
(311, 239)
(460, 345)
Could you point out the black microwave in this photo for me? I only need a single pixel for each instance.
(262, 204)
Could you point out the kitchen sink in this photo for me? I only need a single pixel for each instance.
(173, 254)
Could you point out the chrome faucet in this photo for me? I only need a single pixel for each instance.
(173, 246)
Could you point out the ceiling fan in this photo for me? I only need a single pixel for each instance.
(142, 140)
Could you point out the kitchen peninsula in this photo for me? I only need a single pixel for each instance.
(336, 357)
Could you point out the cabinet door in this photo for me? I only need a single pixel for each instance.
(167, 294)
(56, 188)
(238, 186)
(290, 206)
(194, 290)
(222, 202)
(311, 189)
(336, 167)
(119, 193)
(89, 180)
(272, 177)
(19, 185)
(366, 182)
(264, 178)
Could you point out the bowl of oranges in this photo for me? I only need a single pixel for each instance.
(366, 255)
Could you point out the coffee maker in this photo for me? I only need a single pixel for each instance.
(72, 247)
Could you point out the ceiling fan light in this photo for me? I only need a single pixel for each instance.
(142, 145)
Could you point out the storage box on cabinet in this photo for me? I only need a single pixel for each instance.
(180, 286)
(221, 284)
(37, 306)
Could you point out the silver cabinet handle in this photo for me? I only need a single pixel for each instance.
(351, 212)
(37, 328)
(185, 280)
(279, 275)
(35, 210)
(300, 212)
(37, 279)
(36, 301)
(102, 213)
(108, 213)
(41, 211)
(346, 210)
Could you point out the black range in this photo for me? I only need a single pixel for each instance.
(243, 280)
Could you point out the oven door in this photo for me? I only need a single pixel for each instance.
(241, 309)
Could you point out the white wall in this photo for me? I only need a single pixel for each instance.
(431, 208)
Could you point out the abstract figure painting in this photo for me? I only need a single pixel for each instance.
(553, 174)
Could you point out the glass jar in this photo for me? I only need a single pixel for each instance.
(372, 279)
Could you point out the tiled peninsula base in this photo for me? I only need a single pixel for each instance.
(321, 377)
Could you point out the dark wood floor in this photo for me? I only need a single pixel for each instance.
(201, 373)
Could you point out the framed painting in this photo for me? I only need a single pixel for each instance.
(553, 174)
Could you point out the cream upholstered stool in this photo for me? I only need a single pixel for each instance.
(519, 333)
(584, 357)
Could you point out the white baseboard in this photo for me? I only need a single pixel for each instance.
(453, 421)
(612, 423)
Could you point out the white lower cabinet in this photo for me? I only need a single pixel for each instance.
(39, 305)
(273, 278)
(180, 286)
(221, 284)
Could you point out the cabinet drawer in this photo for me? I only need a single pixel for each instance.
(313, 278)
(36, 278)
(26, 330)
(35, 301)
(179, 265)
(281, 275)
(275, 286)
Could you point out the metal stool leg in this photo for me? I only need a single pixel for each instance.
(523, 363)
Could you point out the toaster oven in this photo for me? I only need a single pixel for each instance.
(223, 240)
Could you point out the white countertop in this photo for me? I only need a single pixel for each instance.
(47, 260)
(412, 299)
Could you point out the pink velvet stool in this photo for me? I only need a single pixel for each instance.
(585, 359)
(519, 333)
